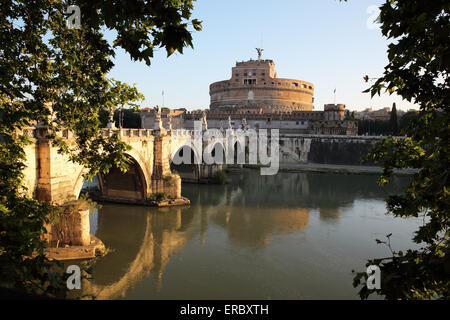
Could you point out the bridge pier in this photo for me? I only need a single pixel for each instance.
(53, 183)
(148, 180)
(163, 180)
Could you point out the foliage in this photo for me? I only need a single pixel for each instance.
(122, 95)
(131, 118)
(373, 127)
(418, 70)
(160, 196)
(57, 77)
(386, 127)
(220, 177)
(406, 120)
(349, 115)
(393, 121)
(71, 207)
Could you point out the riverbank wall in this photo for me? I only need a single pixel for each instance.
(329, 154)
(326, 149)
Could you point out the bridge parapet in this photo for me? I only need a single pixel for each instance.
(52, 177)
(129, 132)
(41, 133)
(185, 132)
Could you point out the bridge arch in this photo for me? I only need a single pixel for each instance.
(215, 150)
(132, 184)
(239, 152)
(187, 171)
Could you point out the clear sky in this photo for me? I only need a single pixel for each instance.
(326, 42)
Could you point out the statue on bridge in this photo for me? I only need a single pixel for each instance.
(111, 124)
(244, 124)
(204, 121)
(158, 122)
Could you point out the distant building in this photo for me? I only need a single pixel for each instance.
(176, 118)
(330, 121)
(254, 83)
(255, 98)
(380, 114)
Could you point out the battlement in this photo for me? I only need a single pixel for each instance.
(254, 62)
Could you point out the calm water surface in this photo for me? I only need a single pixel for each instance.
(289, 236)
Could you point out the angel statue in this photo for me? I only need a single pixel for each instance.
(259, 50)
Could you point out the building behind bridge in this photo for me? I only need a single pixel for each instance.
(254, 97)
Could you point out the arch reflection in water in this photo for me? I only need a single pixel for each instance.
(142, 242)
(232, 237)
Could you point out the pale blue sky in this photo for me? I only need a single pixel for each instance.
(325, 42)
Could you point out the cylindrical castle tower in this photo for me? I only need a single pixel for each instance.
(255, 83)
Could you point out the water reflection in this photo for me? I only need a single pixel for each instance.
(254, 229)
(142, 244)
(250, 212)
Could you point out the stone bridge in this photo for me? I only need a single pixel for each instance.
(50, 176)
(155, 156)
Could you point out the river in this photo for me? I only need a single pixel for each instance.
(288, 236)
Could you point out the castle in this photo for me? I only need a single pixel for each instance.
(255, 98)
(254, 84)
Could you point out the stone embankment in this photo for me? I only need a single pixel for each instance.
(342, 169)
